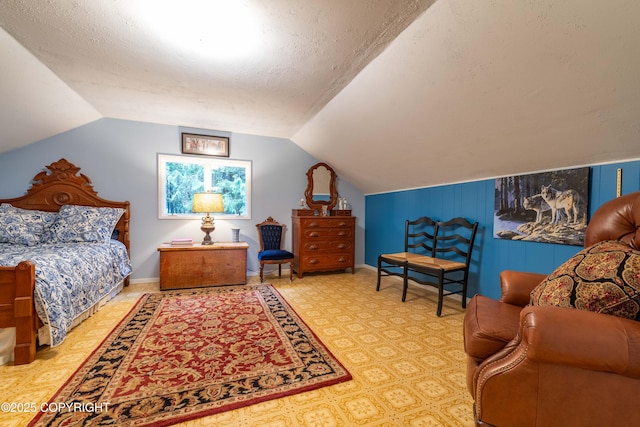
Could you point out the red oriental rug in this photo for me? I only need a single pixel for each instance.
(186, 354)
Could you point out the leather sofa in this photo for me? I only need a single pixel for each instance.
(537, 365)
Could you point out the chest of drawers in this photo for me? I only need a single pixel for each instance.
(323, 243)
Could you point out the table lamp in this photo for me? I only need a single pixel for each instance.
(207, 202)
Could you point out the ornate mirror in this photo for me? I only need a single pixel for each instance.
(321, 187)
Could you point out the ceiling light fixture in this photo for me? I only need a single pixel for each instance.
(211, 29)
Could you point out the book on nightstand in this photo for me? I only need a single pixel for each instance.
(182, 242)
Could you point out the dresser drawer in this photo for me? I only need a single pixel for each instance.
(327, 233)
(324, 222)
(326, 262)
(324, 246)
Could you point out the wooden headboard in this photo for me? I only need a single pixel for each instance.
(62, 184)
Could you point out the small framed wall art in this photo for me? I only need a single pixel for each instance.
(206, 145)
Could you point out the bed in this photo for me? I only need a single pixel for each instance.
(60, 230)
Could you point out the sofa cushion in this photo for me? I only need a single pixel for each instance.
(603, 278)
(489, 325)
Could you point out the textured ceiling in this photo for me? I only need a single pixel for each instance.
(125, 66)
(393, 94)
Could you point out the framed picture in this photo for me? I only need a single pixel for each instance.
(206, 145)
(549, 207)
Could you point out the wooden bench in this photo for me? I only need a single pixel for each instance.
(437, 253)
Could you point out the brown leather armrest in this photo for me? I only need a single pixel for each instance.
(583, 339)
(488, 326)
(517, 286)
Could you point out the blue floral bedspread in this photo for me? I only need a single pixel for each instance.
(70, 278)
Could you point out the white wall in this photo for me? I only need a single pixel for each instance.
(120, 157)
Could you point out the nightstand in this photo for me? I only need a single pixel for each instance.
(203, 265)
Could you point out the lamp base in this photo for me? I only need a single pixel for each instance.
(207, 239)
(207, 227)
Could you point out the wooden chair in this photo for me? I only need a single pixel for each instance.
(448, 263)
(419, 239)
(271, 236)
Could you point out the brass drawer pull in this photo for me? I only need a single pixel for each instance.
(342, 233)
(314, 234)
(313, 261)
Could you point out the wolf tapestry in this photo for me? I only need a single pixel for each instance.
(548, 207)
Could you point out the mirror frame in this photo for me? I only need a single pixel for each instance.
(308, 194)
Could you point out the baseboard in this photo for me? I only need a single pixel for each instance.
(148, 280)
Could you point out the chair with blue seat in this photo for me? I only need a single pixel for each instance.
(271, 236)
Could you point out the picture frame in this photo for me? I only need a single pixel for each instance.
(205, 145)
(546, 207)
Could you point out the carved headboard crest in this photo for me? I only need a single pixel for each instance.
(65, 174)
(62, 170)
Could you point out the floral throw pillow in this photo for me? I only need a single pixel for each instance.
(603, 278)
(23, 226)
(83, 224)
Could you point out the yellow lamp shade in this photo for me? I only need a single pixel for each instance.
(207, 202)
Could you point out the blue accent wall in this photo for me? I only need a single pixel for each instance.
(386, 214)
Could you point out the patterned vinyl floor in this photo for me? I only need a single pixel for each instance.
(408, 365)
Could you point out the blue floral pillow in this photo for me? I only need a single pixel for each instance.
(83, 224)
(23, 226)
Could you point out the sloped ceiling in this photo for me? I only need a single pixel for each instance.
(393, 94)
(483, 89)
(248, 66)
